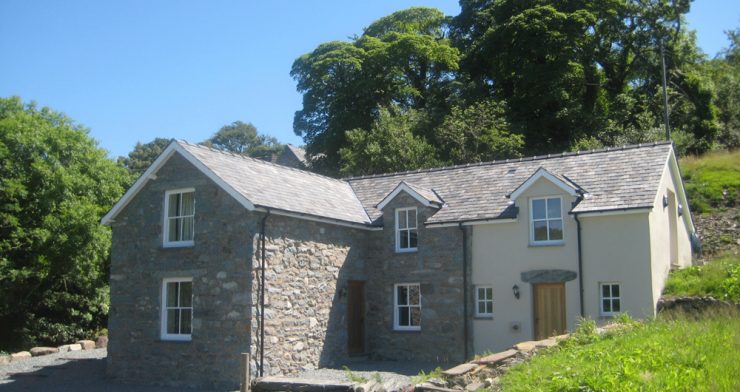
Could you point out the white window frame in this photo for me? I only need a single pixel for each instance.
(166, 226)
(396, 306)
(407, 231)
(163, 317)
(610, 298)
(547, 219)
(485, 301)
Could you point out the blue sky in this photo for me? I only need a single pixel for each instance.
(135, 70)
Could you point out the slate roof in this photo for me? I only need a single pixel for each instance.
(271, 185)
(618, 178)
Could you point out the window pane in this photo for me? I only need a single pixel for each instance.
(412, 239)
(187, 229)
(605, 291)
(173, 316)
(538, 209)
(171, 294)
(540, 231)
(553, 208)
(404, 237)
(172, 230)
(188, 203)
(607, 305)
(489, 307)
(173, 204)
(186, 294)
(616, 305)
(415, 316)
(481, 293)
(556, 229)
(402, 295)
(402, 224)
(414, 295)
(412, 218)
(403, 316)
(186, 315)
(489, 293)
(481, 307)
(615, 290)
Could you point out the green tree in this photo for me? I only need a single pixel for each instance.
(142, 156)
(243, 138)
(478, 133)
(55, 185)
(389, 146)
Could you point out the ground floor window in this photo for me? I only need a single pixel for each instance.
(407, 309)
(611, 302)
(177, 308)
(484, 301)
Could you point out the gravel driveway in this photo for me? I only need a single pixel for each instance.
(82, 371)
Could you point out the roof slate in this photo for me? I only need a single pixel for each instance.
(619, 178)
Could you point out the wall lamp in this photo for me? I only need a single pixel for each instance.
(515, 289)
(665, 201)
(680, 210)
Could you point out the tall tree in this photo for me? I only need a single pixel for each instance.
(142, 156)
(242, 138)
(55, 185)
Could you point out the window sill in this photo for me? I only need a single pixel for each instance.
(418, 330)
(414, 250)
(483, 317)
(181, 244)
(170, 339)
(546, 243)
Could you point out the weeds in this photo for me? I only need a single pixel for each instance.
(424, 377)
(351, 376)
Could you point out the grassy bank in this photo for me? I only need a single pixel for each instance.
(720, 278)
(659, 355)
(712, 180)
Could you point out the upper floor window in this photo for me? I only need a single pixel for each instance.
(179, 220)
(177, 308)
(484, 301)
(611, 300)
(546, 217)
(406, 230)
(407, 307)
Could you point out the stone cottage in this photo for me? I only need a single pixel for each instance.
(216, 254)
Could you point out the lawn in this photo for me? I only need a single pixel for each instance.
(659, 355)
(712, 180)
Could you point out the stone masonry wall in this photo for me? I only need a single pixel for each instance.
(219, 264)
(308, 265)
(437, 267)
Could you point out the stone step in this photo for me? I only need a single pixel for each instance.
(498, 357)
(277, 383)
(460, 369)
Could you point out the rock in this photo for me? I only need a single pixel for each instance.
(20, 356)
(4, 359)
(86, 344)
(498, 357)
(63, 348)
(101, 342)
(459, 370)
(75, 347)
(475, 386)
(550, 342)
(298, 346)
(39, 351)
(437, 382)
(525, 347)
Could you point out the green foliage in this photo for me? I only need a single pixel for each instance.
(720, 278)
(712, 180)
(142, 156)
(351, 376)
(660, 355)
(243, 138)
(55, 185)
(389, 146)
(424, 377)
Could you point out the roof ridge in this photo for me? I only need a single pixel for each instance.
(257, 160)
(512, 160)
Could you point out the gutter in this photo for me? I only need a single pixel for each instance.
(262, 295)
(580, 265)
(465, 289)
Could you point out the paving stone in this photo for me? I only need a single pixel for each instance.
(550, 342)
(525, 347)
(497, 357)
(459, 370)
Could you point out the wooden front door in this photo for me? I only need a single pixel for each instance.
(355, 317)
(549, 310)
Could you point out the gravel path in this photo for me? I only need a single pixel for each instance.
(394, 375)
(82, 371)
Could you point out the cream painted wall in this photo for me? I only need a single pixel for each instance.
(616, 248)
(501, 252)
(660, 233)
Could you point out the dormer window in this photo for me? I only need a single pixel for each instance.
(406, 230)
(546, 217)
(179, 206)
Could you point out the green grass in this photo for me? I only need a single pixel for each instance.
(351, 376)
(712, 180)
(720, 278)
(659, 355)
(424, 377)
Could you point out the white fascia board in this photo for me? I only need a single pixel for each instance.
(150, 173)
(312, 218)
(405, 188)
(630, 211)
(540, 173)
(678, 182)
(471, 223)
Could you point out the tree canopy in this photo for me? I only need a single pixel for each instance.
(142, 156)
(55, 185)
(548, 75)
(243, 138)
